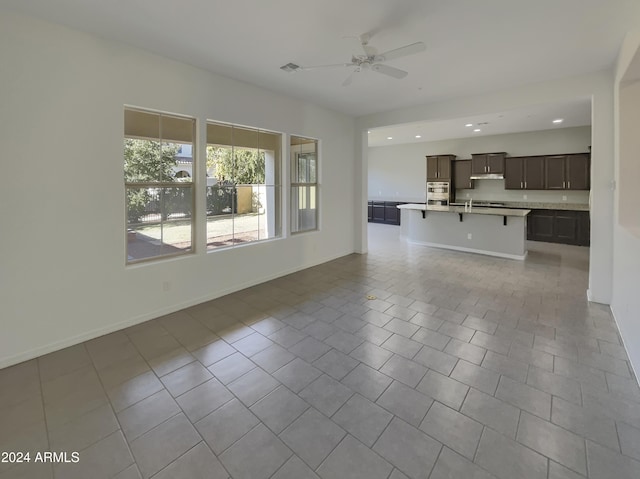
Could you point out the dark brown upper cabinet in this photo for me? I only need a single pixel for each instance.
(462, 175)
(483, 163)
(514, 173)
(578, 172)
(534, 173)
(567, 172)
(439, 167)
(554, 172)
(524, 173)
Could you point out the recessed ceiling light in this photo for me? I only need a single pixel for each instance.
(418, 136)
(389, 138)
(558, 120)
(469, 124)
(476, 130)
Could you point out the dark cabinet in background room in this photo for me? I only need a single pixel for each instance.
(568, 172)
(483, 163)
(462, 174)
(524, 173)
(578, 171)
(391, 213)
(378, 211)
(540, 225)
(566, 227)
(559, 226)
(384, 212)
(554, 172)
(514, 173)
(439, 167)
(534, 173)
(584, 228)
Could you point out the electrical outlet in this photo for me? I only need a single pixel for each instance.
(467, 195)
(564, 198)
(469, 236)
(524, 197)
(166, 286)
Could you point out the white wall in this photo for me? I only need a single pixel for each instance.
(597, 86)
(62, 255)
(626, 258)
(399, 171)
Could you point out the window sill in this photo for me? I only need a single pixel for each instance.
(243, 245)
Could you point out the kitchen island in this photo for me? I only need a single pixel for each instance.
(498, 232)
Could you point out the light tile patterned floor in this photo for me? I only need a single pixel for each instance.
(462, 366)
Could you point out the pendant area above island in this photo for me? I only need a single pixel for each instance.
(498, 232)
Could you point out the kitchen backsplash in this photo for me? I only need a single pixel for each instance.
(494, 190)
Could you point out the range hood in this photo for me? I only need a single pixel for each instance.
(488, 176)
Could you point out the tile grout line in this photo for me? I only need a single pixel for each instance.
(111, 405)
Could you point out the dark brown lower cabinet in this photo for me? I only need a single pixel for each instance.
(391, 213)
(584, 228)
(540, 224)
(378, 211)
(384, 212)
(559, 226)
(566, 227)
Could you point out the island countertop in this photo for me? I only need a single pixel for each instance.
(472, 211)
(537, 205)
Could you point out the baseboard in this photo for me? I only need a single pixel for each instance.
(613, 314)
(469, 250)
(111, 328)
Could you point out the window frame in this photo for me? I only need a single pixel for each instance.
(277, 185)
(294, 183)
(162, 185)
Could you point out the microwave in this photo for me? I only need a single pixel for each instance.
(439, 188)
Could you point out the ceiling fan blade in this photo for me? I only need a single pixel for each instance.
(320, 67)
(389, 71)
(348, 81)
(401, 52)
(362, 44)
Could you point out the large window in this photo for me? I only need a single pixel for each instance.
(159, 192)
(304, 184)
(243, 185)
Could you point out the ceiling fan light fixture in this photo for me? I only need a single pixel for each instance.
(369, 60)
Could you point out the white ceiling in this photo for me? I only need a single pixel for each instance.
(533, 118)
(473, 47)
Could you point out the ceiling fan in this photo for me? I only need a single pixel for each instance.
(367, 60)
